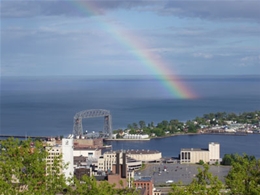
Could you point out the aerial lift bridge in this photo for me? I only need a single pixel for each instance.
(78, 128)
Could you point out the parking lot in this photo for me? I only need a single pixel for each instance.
(162, 173)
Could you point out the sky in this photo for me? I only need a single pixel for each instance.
(130, 37)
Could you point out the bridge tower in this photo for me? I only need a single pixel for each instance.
(78, 128)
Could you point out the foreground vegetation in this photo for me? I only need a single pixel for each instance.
(23, 170)
(191, 126)
(242, 179)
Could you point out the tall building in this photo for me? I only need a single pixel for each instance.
(62, 152)
(54, 152)
(67, 157)
(214, 152)
(194, 155)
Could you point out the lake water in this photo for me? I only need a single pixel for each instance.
(46, 106)
(171, 146)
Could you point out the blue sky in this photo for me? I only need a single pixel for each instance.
(43, 38)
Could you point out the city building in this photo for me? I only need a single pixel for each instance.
(54, 152)
(195, 155)
(62, 152)
(87, 152)
(67, 157)
(145, 155)
(145, 183)
(86, 142)
(106, 161)
(135, 136)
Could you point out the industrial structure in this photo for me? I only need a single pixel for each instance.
(194, 155)
(78, 128)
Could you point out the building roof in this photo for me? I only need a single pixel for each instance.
(79, 158)
(143, 178)
(194, 149)
(135, 151)
(86, 148)
(213, 143)
(142, 151)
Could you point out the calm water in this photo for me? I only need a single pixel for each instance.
(171, 146)
(46, 106)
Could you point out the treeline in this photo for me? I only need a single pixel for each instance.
(229, 159)
(191, 126)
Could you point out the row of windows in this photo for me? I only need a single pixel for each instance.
(56, 150)
(51, 157)
(111, 156)
(185, 155)
(57, 153)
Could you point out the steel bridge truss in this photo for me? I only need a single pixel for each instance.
(78, 128)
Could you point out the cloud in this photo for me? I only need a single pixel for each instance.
(250, 61)
(212, 10)
(31, 8)
(203, 55)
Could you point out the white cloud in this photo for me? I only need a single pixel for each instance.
(250, 61)
(212, 10)
(203, 55)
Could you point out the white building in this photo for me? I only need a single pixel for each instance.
(145, 155)
(214, 152)
(89, 152)
(135, 136)
(194, 155)
(67, 157)
(63, 151)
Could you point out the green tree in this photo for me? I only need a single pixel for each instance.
(129, 126)
(244, 176)
(89, 186)
(135, 126)
(227, 159)
(201, 162)
(142, 124)
(204, 184)
(23, 169)
(192, 128)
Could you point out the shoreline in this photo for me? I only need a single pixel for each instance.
(127, 139)
(179, 134)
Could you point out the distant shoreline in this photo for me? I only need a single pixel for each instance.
(128, 139)
(180, 134)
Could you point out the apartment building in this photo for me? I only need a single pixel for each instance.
(62, 152)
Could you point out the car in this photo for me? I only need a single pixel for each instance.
(169, 181)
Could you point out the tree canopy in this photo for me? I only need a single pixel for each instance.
(24, 170)
(204, 183)
(193, 126)
(244, 176)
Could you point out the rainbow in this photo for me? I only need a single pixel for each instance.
(170, 81)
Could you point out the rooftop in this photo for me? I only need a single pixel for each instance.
(194, 149)
(142, 151)
(85, 148)
(135, 151)
(143, 178)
